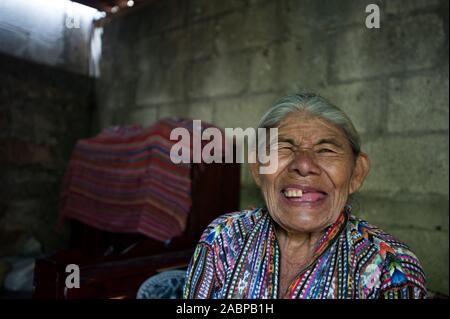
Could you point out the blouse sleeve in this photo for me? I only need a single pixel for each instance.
(203, 274)
(403, 278)
(409, 291)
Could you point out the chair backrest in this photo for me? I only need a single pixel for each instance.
(215, 191)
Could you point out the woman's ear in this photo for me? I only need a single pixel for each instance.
(254, 170)
(362, 167)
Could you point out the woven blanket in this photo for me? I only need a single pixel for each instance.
(123, 180)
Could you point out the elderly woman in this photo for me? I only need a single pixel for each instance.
(306, 243)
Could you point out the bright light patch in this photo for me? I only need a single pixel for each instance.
(50, 32)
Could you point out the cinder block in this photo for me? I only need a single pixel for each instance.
(105, 119)
(173, 110)
(124, 52)
(417, 164)
(33, 216)
(26, 183)
(402, 7)
(201, 37)
(5, 122)
(229, 32)
(162, 84)
(20, 212)
(413, 43)
(226, 75)
(404, 210)
(291, 66)
(148, 52)
(361, 101)
(127, 30)
(161, 15)
(156, 73)
(201, 111)
(120, 94)
(324, 14)
(262, 24)
(264, 69)
(175, 46)
(15, 151)
(145, 117)
(199, 9)
(251, 197)
(302, 63)
(418, 103)
(256, 26)
(39, 126)
(246, 176)
(242, 112)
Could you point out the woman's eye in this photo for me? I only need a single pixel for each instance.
(325, 150)
(285, 148)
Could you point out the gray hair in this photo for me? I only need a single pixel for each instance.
(316, 106)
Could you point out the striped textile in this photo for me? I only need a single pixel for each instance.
(238, 257)
(123, 180)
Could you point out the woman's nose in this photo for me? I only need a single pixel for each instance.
(304, 163)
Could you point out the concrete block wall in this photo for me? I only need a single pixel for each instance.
(225, 62)
(43, 112)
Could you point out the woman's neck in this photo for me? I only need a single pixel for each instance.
(296, 245)
(296, 254)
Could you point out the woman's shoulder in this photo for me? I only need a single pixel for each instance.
(392, 257)
(362, 230)
(235, 223)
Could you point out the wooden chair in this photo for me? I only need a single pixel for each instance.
(114, 265)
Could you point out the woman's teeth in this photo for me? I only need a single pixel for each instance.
(293, 193)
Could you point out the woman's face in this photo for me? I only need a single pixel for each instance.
(316, 173)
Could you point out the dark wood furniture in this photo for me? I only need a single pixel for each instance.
(114, 265)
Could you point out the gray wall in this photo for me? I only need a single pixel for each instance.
(226, 61)
(43, 112)
(46, 102)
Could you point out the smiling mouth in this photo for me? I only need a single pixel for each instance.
(302, 194)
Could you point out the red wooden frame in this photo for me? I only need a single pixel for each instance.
(114, 265)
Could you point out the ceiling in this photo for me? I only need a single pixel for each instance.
(111, 6)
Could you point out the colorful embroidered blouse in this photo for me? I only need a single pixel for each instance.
(238, 257)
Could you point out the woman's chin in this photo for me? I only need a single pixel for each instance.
(305, 220)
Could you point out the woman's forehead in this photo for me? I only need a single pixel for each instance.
(301, 125)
